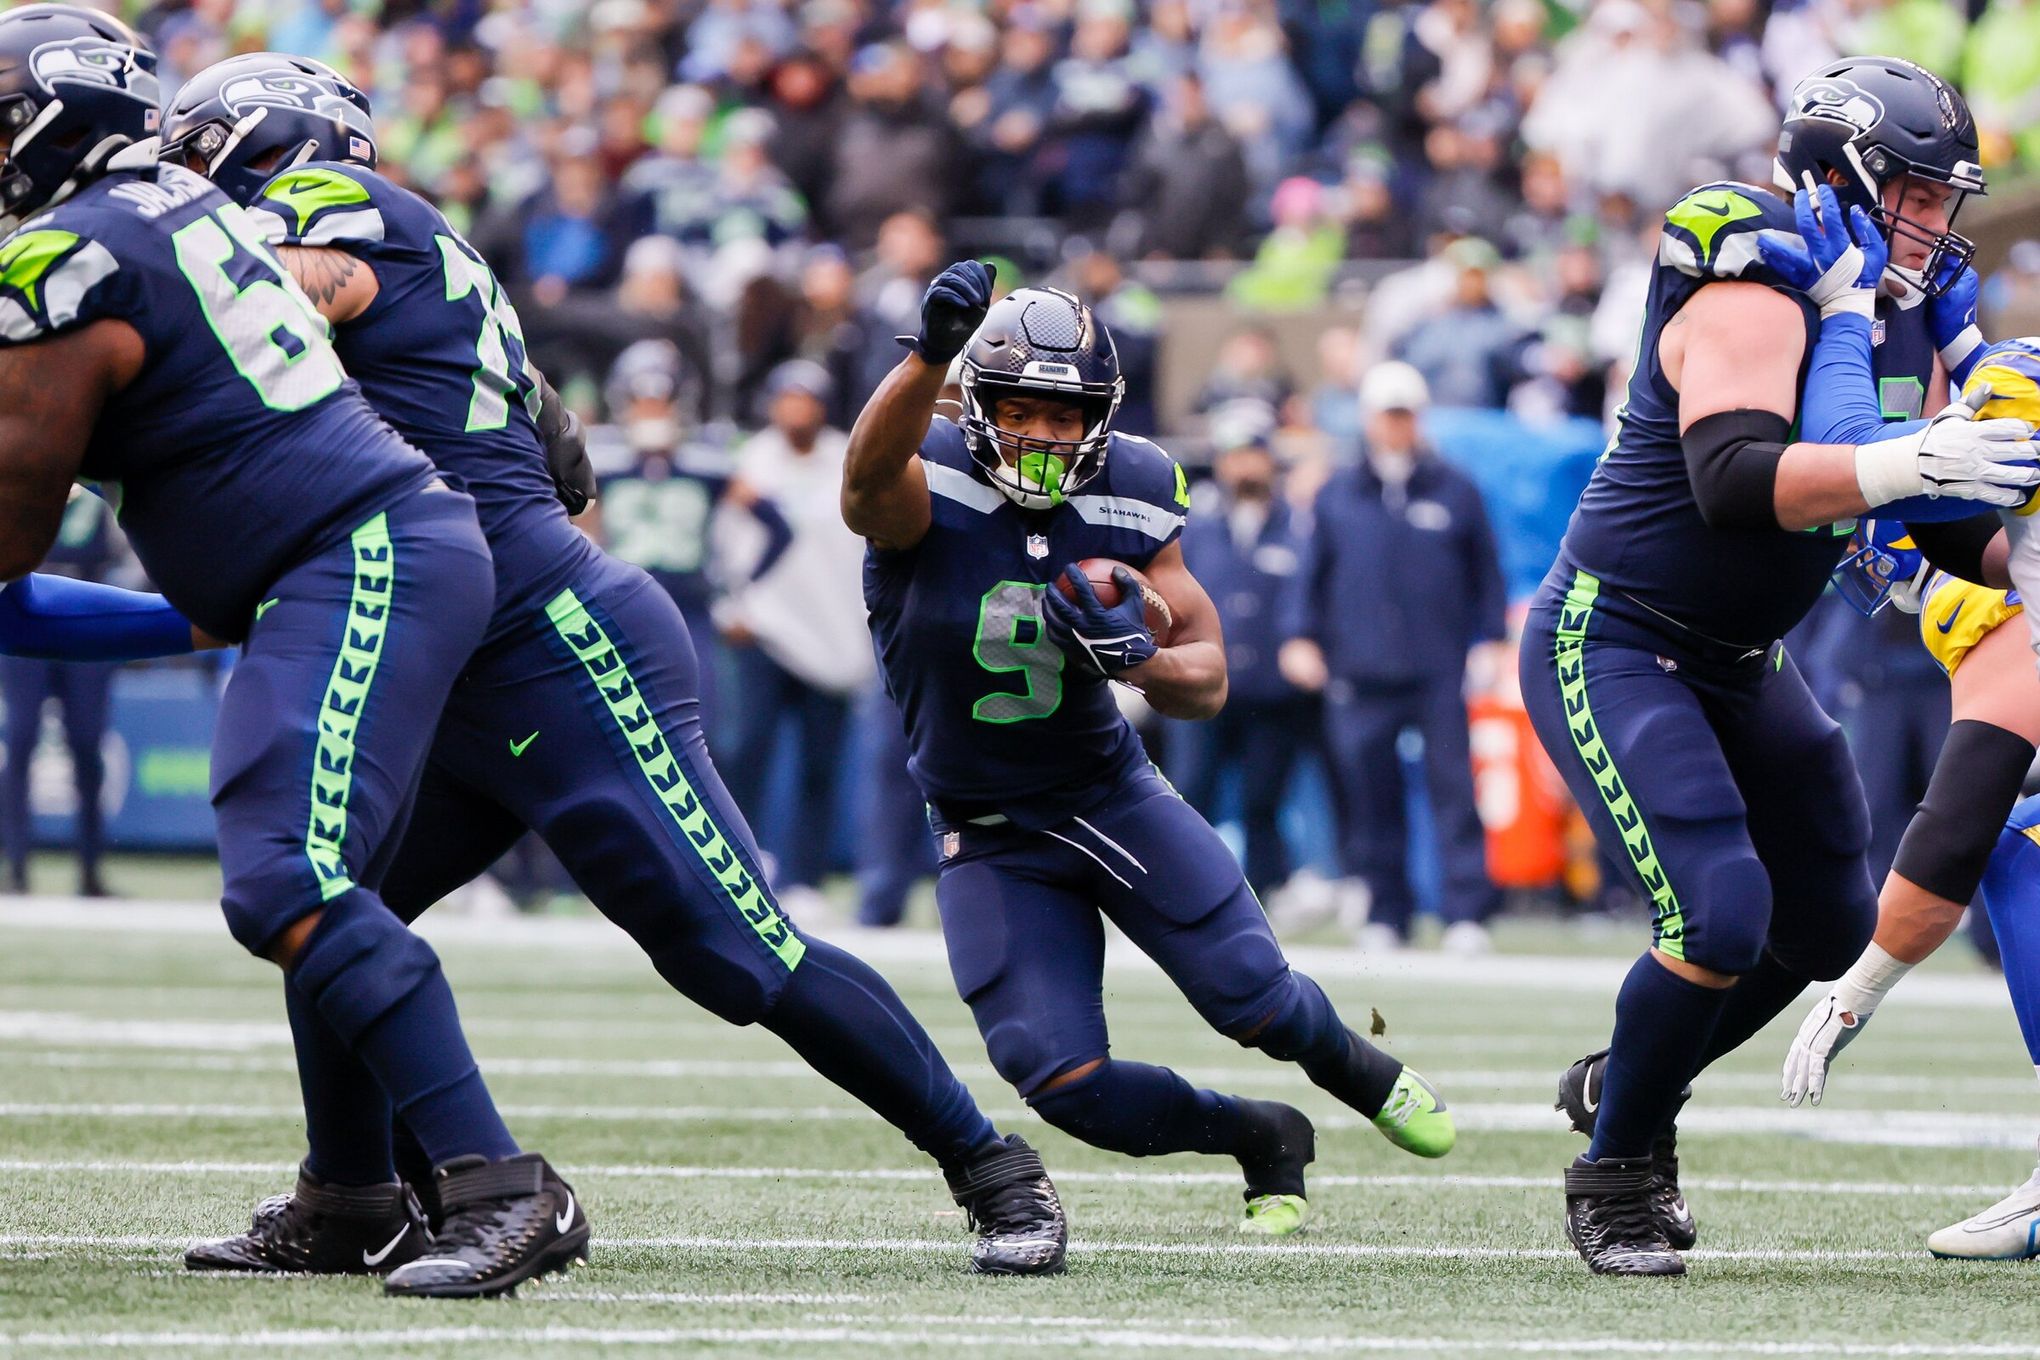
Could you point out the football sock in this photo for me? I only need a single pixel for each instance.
(380, 988)
(1145, 1111)
(1308, 1032)
(1757, 998)
(2018, 937)
(1662, 1026)
(849, 1025)
(347, 1113)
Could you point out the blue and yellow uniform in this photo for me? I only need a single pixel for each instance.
(273, 508)
(1956, 614)
(578, 717)
(1047, 808)
(1651, 666)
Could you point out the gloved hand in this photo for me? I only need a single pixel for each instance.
(1103, 641)
(951, 310)
(566, 458)
(1951, 320)
(1842, 257)
(1828, 1029)
(1989, 461)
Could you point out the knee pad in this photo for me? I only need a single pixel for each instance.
(1950, 839)
(1725, 925)
(1240, 976)
(360, 963)
(1300, 1024)
(738, 988)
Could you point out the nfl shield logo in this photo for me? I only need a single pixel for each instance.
(952, 842)
(1037, 545)
(1876, 332)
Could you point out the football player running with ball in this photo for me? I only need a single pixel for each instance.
(1051, 818)
(1651, 666)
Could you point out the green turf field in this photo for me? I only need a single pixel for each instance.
(742, 1207)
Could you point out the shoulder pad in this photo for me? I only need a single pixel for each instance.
(322, 204)
(1140, 467)
(47, 272)
(1712, 232)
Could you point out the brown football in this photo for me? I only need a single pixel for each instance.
(1098, 570)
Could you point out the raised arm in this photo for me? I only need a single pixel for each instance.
(885, 493)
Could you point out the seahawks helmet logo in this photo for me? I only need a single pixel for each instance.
(1842, 101)
(91, 61)
(281, 89)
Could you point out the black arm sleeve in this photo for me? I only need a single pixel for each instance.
(1732, 462)
(1956, 546)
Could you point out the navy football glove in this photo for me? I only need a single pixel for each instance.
(1103, 641)
(1951, 318)
(951, 310)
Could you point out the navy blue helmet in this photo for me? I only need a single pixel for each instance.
(77, 87)
(1875, 120)
(1040, 342)
(242, 121)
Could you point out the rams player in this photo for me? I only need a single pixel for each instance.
(152, 345)
(1051, 819)
(1651, 663)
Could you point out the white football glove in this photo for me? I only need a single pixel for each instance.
(1989, 461)
(1835, 1021)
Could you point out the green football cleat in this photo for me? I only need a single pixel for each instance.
(1275, 1215)
(1415, 1118)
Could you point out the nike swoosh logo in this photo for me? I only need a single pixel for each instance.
(1721, 211)
(377, 1258)
(517, 747)
(1949, 622)
(565, 1218)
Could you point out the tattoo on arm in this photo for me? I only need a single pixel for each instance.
(323, 274)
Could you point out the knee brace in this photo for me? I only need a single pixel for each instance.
(360, 963)
(1949, 840)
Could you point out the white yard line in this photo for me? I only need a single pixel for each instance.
(953, 1341)
(958, 1244)
(904, 1175)
(146, 1056)
(1879, 1127)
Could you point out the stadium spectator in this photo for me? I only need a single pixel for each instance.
(1187, 185)
(896, 152)
(796, 626)
(1397, 609)
(1470, 349)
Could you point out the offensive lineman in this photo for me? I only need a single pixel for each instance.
(151, 344)
(1651, 666)
(1048, 810)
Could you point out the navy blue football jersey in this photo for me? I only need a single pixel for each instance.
(241, 446)
(1638, 527)
(440, 354)
(997, 721)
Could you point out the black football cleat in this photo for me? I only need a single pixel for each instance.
(1579, 1096)
(505, 1222)
(1013, 1208)
(321, 1229)
(1611, 1220)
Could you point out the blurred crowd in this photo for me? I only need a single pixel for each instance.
(715, 215)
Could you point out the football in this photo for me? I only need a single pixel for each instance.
(1098, 570)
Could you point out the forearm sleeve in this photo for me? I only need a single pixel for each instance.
(1840, 404)
(59, 619)
(1732, 463)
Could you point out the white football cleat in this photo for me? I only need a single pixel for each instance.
(2007, 1231)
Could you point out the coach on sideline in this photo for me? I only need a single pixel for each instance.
(1399, 602)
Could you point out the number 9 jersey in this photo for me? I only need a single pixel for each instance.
(997, 723)
(283, 456)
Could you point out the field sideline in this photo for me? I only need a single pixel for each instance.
(742, 1206)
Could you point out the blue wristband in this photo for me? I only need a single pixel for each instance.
(60, 619)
